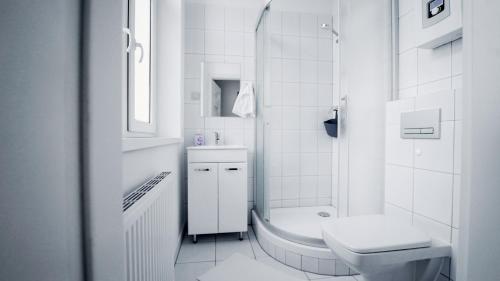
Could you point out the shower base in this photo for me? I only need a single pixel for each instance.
(294, 238)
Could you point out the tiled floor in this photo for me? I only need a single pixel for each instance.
(196, 259)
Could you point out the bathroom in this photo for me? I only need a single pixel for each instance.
(334, 140)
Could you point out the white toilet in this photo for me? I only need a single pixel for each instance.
(383, 249)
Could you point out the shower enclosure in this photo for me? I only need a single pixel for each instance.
(314, 57)
(297, 90)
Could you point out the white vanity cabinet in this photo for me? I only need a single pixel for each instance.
(217, 190)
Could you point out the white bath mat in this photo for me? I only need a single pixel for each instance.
(242, 268)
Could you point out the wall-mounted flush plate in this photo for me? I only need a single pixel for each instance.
(423, 124)
(438, 22)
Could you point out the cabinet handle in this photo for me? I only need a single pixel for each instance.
(233, 169)
(203, 170)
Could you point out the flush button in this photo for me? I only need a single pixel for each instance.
(418, 152)
(427, 131)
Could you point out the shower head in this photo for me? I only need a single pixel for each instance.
(326, 26)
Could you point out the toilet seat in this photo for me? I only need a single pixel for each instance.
(375, 233)
(381, 248)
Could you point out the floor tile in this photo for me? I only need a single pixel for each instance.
(199, 252)
(279, 266)
(190, 271)
(225, 249)
(338, 278)
(200, 238)
(231, 236)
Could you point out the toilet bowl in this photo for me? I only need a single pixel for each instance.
(380, 248)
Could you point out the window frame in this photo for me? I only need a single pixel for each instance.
(134, 127)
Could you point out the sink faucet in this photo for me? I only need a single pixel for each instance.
(217, 138)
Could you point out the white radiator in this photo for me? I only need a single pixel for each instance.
(145, 216)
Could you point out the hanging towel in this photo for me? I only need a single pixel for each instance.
(244, 106)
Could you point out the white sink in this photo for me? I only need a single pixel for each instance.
(216, 147)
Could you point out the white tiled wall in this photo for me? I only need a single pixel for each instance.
(423, 176)
(302, 62)
(222, 34)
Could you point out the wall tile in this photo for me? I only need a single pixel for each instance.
(309, 165)
(276, 70)
(308, 186)
(396, 107)
(408, 69)
(444, 100)
(325, 94)
(308, 25)
(325, 49)
(214, 42)
(291, 23)
(291, 118)
(435, 87)
(308, 118)
(434, 195)
(291, 70)
(249, 45)
(291, 94)
(308, 141)
(325, 72)
(325, 186)
(405, 6)
(291, 141)
(251, 17)
(398, 151)
(234, 19)
(192, 118)
(309, 48)
(397, 213)
(324, 33)
(275, 22)
(234, 43)
(407, 30)
(408, 93)
(195, 41)
(275, 188)
(456, 57)
(195, 16)
(309, 71)
(291, 164)
(291, 187)
(436, 154)
(192, 65)
(291, 47)
(324, 164)
(434, 64)
(214, 17)
(433, 228)
(399, 186)
(308, 94)
(192, 90)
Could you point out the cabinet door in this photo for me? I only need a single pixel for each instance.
(233, 197)
(202, 198)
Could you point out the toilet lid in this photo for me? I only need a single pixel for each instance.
(375, 233)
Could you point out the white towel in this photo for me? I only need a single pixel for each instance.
(244, 106)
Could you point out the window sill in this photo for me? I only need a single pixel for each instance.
(133, 144)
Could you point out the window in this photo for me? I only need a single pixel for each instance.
(140, 93)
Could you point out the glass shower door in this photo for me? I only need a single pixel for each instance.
(262, 67)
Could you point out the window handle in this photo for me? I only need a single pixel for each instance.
(129, 44)
(137, 44)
